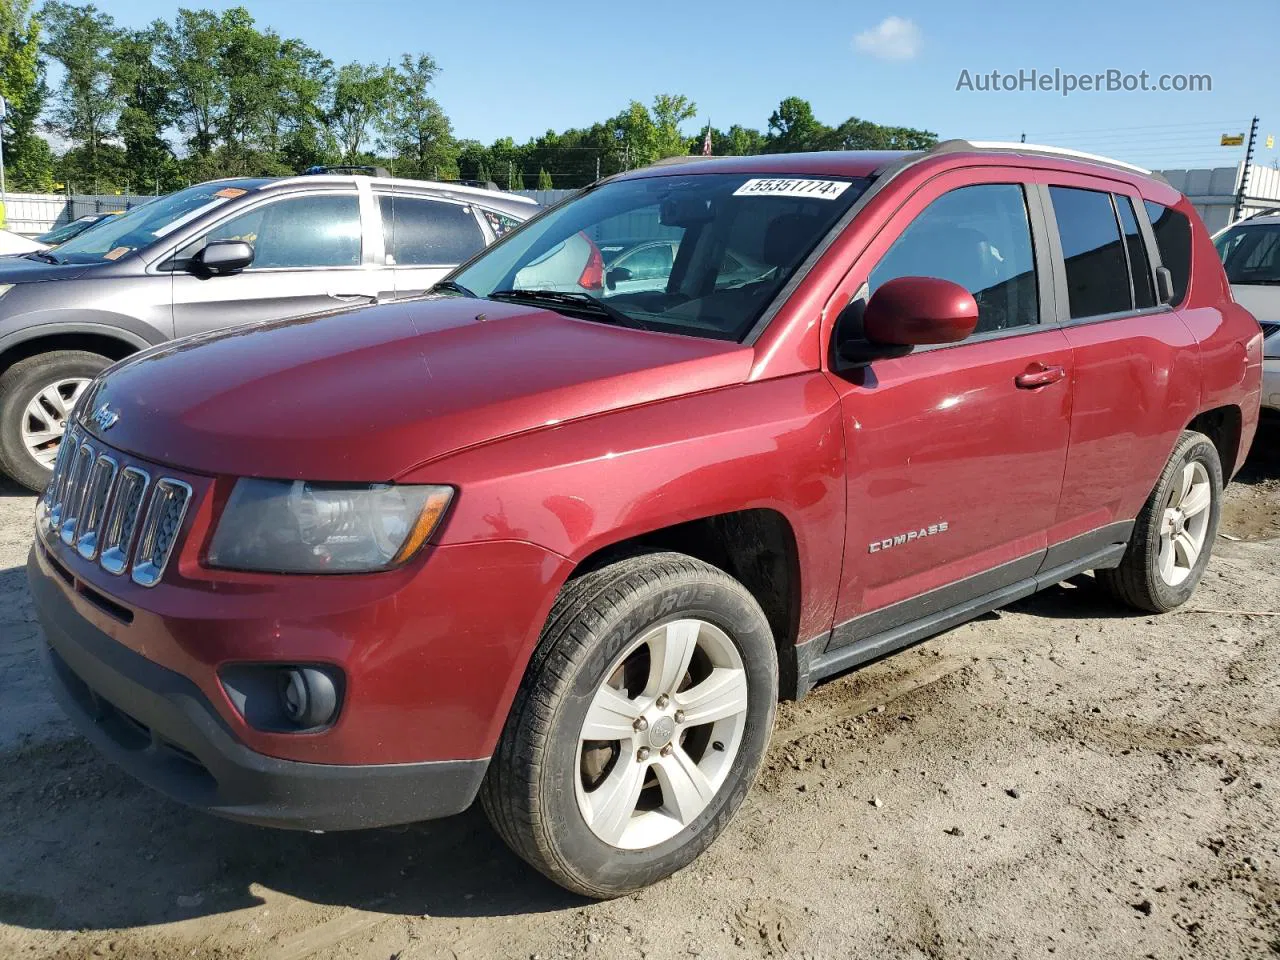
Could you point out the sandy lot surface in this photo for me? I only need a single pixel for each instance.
(1060, 779)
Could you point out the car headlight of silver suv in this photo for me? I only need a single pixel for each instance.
(283, 526)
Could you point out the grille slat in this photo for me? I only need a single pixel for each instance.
(73, 500)
(122, 522)
(160, 530)
(101, 479)
(117, 516)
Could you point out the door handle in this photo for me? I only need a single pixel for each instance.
(1039, 375)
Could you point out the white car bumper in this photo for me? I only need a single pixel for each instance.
(1271, 383)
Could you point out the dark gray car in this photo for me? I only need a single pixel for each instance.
(210, 256)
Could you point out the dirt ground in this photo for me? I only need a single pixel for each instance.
(1060, 779)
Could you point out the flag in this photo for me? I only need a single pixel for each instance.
(706, 141)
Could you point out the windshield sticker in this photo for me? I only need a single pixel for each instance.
(116, 254)
(230, 193)
(181, 221)
(783, 187)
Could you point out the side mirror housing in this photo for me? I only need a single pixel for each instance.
(616, 276)
(908, 312)
(221, 257)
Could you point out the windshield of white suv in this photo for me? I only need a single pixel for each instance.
(145, 224)
(697, 254)
(1251, 254)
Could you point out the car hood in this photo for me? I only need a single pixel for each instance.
(19, 269)
(367, 395)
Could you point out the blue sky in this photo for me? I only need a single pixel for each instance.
(519, 69)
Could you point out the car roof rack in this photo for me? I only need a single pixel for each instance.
(366, 170)
(1037, 150)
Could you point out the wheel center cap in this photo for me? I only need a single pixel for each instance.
(661, 731)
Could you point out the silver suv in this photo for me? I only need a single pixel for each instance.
(1250, 251)
(213, 255)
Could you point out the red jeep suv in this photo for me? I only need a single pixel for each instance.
(560, 534)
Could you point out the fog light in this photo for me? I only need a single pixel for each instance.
(308, 696)
(284, 698)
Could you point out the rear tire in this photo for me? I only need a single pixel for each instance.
(1174, 534)
(613, 641)
(36, 395)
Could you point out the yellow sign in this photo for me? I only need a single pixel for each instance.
(1271, 140)
(1233, 139)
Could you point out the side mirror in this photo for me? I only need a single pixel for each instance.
(1164, 285)
(616, 276)
(221, 257)
(908, 312)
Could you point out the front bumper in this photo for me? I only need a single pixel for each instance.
(161, 728)
(1271, 383)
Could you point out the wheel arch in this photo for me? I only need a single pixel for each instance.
(756, 546)
(106, 339)
(1223, 425)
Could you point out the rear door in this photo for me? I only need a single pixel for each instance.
(424, 238)
(1137, 371)
(955, 453)
(308, 258)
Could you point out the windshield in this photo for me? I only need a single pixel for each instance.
(1251, 254)
(145, 224)
(697, 254)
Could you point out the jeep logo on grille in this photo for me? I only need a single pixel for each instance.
(105, 417)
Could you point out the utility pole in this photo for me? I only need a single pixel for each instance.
(597, 166)
(1024, 139)
(1244, 173)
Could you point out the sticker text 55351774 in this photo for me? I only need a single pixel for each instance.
(792, 187)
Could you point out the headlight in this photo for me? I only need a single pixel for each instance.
(282, 526)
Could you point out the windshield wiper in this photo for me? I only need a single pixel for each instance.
(576, 302)
(44, 255)
(449, 285)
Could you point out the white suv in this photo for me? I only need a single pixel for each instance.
(1250, 251)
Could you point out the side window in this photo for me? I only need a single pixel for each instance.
(500, 223)
(322, 230)
(421, 232)
(649, 263)
(980, 238)
(1173, 238)
(1144, 294)
(1097, 275)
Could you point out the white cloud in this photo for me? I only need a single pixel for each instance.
(893, 38)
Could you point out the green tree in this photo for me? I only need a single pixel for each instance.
(362, 94)
(668, 112)
(188, 51)
(85, 107)
(544, 180)
(415, 129)
(517, 182)
(794, 129)
(147, 108)
(28, 159)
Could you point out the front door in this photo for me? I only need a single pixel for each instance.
(955, 453)
(307, 259)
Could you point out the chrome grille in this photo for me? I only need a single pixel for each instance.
(159, 530)
(73, 499)
(96, 496)
(126, 508)
(114, 515)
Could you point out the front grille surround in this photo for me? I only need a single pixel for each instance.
(121, 517)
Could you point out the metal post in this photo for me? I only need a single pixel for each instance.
(1244, 173)
(597, 166)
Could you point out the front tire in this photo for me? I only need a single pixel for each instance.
(639, 727)
(1174, 534)
(36, 397)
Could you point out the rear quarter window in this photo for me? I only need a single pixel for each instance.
(1173, 240)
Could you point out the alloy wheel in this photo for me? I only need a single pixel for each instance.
(1184, 524)
(661, 734)
(45, 419)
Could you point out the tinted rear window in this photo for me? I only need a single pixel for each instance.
(1173, 239)
(1251, 254)
(1097, 273)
